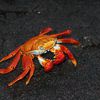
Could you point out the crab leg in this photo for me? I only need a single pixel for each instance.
(46, 63)
(21, 76)
(10, 55)
(66, 32)
(12, 65)
(70, 55)
(68, 40)
(27, 64)
(32, 69)
(45, 30)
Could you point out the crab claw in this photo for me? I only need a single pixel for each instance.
(46, 63)
(59, 57)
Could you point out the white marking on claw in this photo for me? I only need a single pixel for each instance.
(57, 47)
(41, 60)
(59, 41)
(37, 52)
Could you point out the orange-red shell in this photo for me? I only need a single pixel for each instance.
(45, 41)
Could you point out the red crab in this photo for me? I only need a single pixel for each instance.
(34, 48)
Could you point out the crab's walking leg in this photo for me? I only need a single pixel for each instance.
(45, 30)
(12, 65)
(70, 55)
(32, 69)
(66, 32)
(10, 55)
(21, 76)
(27, 64)
(68, 40)
(46, 63)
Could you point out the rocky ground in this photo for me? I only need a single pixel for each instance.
(22, 19)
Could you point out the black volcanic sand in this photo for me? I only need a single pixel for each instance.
(23, 19)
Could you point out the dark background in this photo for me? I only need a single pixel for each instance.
(22, 19)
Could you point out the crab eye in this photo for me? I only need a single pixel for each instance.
(41, 48)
